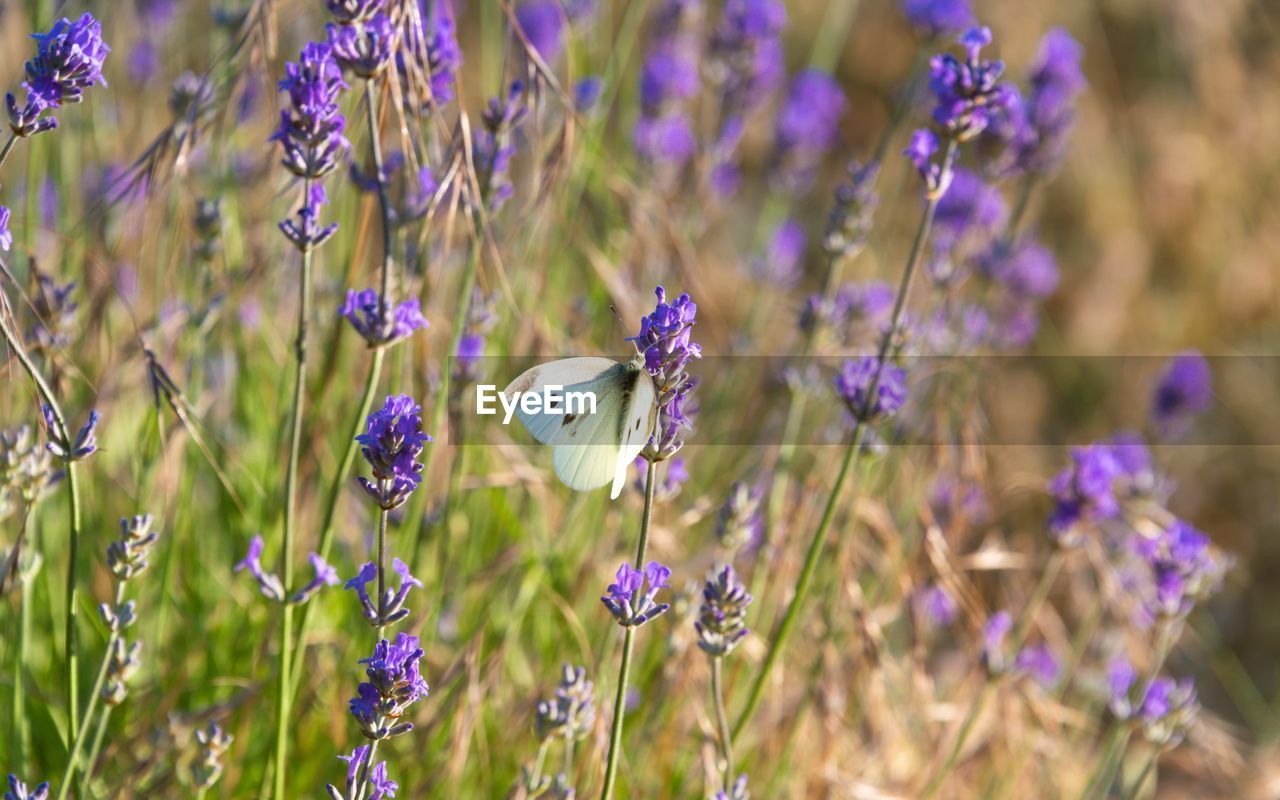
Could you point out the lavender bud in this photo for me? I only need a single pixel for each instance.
(665, 339)
(392, 443)
(19, 791)
(570, 712)
(850, 219)
(738, 522)
(213, 742)
(122, 663)
(722, 623)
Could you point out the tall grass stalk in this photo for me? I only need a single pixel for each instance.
(852, 454)
(628, 645)
(283, 695)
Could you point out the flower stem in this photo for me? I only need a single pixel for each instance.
(4, 153)
(1134, 787)
(384, 205)
(779, 638)
(283, 696)
(722, 720)
(91, 763)
(628, 646)
(82, 730)
(966, 728)
(328, 528)
(383, 514)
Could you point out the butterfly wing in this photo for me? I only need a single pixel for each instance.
(574, 374)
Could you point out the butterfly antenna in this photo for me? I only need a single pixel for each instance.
(623, 325)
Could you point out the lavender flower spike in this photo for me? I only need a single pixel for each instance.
(390, 607)
(366, 47)
(86, 441)
(395, 683)
(721, 623)
(933, 18)
(1185, 391)
(665, 339)
(268, 583)
(857, 380)
(392, 443)
(632, 598)
(19, 791)
(363, 310)
(68, 60)
(968, 93)
(325, 575)
(379, 783)
(312, 125)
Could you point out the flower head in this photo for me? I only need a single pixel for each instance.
(19, 791)
(85, 443)
(395, 683)
(542, 23)
(1185, 390)
(739, 522)
(68, 60)
(357, 765)
(746, 58)
(304, 231)
(1185, 568)
(390, 607)
(851, 216)
(6, 236)
(364, 311)
(665, 339)
(570, 712)
(808, 126)
(632, 597)
(871, 389)
(392, 443)
(1042, 124)
(312, 125)
(268, 583)
(970, 208)
(933, 18)
(1084, 492)
(364, 47)
(934, 606)
(968, 93)
(721, 623)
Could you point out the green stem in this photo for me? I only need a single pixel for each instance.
(384, 206)
(91, 763)
(21, 724)
(383, 514)
(722, 721)
(4, 153)
(283, 695)
(628, 646)
(1134, 787)
(82, 730)
(1113, 757)
(328, 528)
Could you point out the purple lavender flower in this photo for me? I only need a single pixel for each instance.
(143, 61)
(739, 522)
(479, 323)
(934, 606)
(311, 127)
(1038, 661)
(392, 443)
(395, 683)
(268, 583)
(994, 633)
(807, 127)
(970, 208)
(365, 47)
(746, 53)
(1168, 709)
(325, 575)
(922, 152)
(304, 230)
(350, 11)
(969, 93)
(86, 441)
(632, 599)
(850, 219)
(934, 18)
(443, 54)
(19, 791)
(1185, 568)
(1121, 677)
(736, 792)
(667, 77)
(669, 481)
(722, 620)
(1024, 267)
(68, 60)
(363, 310)
(1185, 390)
(1083, 493)
(1045, 119)
(872, 391)
(570, 713)
(665, 339)
(668, 140)
(784, 257)
(492, 148)
(357, 765)
(390, 608)
(542, 23)
(586, 93)
(1136, 467)
(6, 236)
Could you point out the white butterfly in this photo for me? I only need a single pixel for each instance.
(592, 449)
